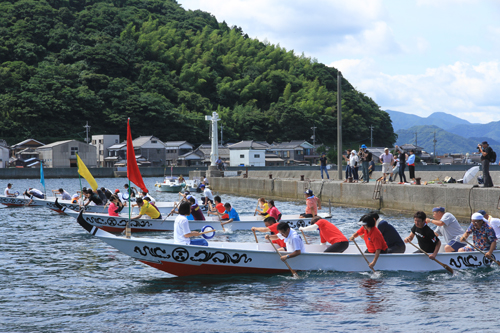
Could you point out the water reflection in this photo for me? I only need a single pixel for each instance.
(373, 292)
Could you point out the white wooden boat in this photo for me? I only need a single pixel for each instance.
(192, 185)
(163, 207)
(22, 200)
(117, 224)
(226, 258)
(170, 184)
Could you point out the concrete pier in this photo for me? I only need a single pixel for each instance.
(459, 199)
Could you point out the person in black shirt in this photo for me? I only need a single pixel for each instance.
(365, 157)
(485, 151)
(391, 236)
(427, 239)
(402, 165)
(323, 159)
(92, 197)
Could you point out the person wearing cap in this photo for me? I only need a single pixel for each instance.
(354, 165)
(394, 241)
(427, 239)
(322, 167)
(483, 236)
(375, 242)
(186, 195)
(485, 150)
(448, 227)
(146, 209)
(312, 203)
(8, 192)
(75, 198)
(208, 196)
(328, 232)
(294, 243)
(366, 157)
(492, 222)
(387, 160)
(64, 195)
(272, 226)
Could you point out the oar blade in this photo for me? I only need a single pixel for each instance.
(448, 268)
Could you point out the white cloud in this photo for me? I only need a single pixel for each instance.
(464, 90)
(443, 3)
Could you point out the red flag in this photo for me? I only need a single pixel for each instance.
(133, 173)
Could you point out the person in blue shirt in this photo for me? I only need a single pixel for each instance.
(391, 236)
(233, 215)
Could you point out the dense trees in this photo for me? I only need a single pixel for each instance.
(64, 62)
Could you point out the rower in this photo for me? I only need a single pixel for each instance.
(208, 196)
(33, 192)
(8, 192)
(147, 195)
(219, 207)
(328, 232)
(182, 233)
(106, 192)
(294, 243)
(181, 179)
(492, 222)
(195, 210)
(92, 197)
(427, 239)
(448, 227)
(312, 204)
(75, 198)
(131, 192)
(273, 211)
(271, 226)
(374, 240)
(263, 205)
(148, 209)
(64, 195)
(231, 212)
(391, 236)
(186, 195)
(115, 206)
(484, 236)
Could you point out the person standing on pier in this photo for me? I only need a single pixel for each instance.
(387, 160)
(322, 167)
(486, 157)
(411, 164)
(402, 164)
(366, 158)
(347, 158)
(312, 204)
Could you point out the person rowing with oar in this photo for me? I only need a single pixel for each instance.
(375, 242)
(427, 239)
(182, 233)
(271, 226)
(262, 204)
(328, 232)
(294, 244)
(219, 207)
(195, 210)
(483, 236)
(312, 204)
(148, 209)
(231, 212)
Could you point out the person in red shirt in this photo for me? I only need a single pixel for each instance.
(328, 232)
(375, 242)
(271, 226)
(219, 206)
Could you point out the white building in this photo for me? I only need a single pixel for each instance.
(62, 154)
(102, 143)
(4, 154)
(247, 153)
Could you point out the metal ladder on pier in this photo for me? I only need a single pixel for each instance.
(378, 189)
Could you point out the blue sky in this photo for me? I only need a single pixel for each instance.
(414, 56)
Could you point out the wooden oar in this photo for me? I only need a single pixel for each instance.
(305, 238)
(294, 273)
(448, 268)
(255, 212)
(374, 271)
(173, 209)
(207, 232)
(497, 262)
(255, 235)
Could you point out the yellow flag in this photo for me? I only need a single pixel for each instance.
(85, 173)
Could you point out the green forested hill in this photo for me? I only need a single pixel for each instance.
(64, 62)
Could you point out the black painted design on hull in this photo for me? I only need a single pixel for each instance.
(298, 223)
(154, 252)
(117, 222)
(219, 256)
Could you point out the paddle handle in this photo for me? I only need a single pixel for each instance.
(363, 255)
(305, 238)
(255, 212)
(173, 209)
(207, 232)
(497, 262)
(448, 268)
(286, 263)
(255, 235)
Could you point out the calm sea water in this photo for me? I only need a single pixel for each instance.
(56, 277)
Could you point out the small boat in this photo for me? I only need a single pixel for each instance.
(170, 184)
(192, 185)
(163, 207)
(228, 258)
(117, 224)
(22, 200)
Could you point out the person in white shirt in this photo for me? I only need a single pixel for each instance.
(186, 195)
(147, 195)
(294, 243)
(8, 192)
(387, 160)
(208, 196)
(492, 222)
(448, 227)
(64, 195)
(182, 233)
(395, 170)
(354, 164)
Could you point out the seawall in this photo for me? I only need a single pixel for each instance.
(459, 199)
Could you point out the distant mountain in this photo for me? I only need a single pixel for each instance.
(480, 132)
(446, 142)
(401, 120)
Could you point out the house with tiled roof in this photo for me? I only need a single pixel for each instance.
(247, 153)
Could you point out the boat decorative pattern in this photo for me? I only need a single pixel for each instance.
(154, 252)
(297, 224)
(224, 259)
(469, 261)
(114, 222)
(13, 201)
(70, 206)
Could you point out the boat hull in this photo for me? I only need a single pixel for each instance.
(117, 224)
(224, 258)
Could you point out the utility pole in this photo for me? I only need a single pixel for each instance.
(87, 128)
(314, 136)
(221, 141)
(371, 136)
(434, 145)
(339, 125)
(415, 138)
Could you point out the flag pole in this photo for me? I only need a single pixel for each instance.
(128, 232)
(80, 178)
